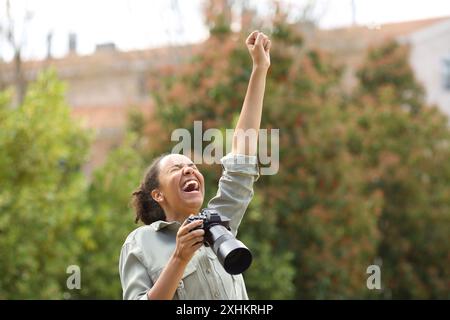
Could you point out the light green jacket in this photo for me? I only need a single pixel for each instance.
(148, 248)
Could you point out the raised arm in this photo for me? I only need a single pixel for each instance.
(258, 45)
(240, 167)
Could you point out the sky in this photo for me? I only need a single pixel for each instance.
(139, 24)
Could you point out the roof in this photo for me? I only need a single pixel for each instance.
(350, 44)
(350, 41)
(74, 65)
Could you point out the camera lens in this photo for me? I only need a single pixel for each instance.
(234, 256)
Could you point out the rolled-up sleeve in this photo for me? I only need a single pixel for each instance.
(133, 273)
(235, 187)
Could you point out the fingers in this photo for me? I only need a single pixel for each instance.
(196, 234)
(194, 242)
(193, 234)
(197, 237)
(189, 239)
(262, 42)
(187, 227)
(192, 239)
(268, 45)
(186, 221)
(252, 37)
(197, 246)
(259, 39)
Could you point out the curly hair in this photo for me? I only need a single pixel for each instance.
(146, 208)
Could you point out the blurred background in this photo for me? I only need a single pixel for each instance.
(90, 92)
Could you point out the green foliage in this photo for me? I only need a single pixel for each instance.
(218, 17)
(324, 216)
(268, 265)
(42, 192)
(406, 150)
(110, 223)
(51, 216)
(387, 76)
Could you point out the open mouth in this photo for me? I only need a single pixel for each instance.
(191, 186)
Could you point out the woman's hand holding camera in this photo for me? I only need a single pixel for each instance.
(188, 240)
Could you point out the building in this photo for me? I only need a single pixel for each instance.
(430, 59)
(429, 41)
(102, 87)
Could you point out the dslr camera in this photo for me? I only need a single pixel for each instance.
(234, 256)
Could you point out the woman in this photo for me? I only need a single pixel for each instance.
(165, 259)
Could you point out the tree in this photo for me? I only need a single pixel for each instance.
(405, 147)
(386, 71)
(8, 31)
(324, 217)
(112, 220)
(52, 217)
(42, 194)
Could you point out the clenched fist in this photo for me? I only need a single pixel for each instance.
(258, 44)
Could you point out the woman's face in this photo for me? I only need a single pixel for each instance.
(182, 186)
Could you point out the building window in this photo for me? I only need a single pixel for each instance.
(446, 73)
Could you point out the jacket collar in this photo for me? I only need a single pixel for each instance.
(171, 225)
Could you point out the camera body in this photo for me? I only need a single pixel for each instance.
(234, 256)
(210, 218)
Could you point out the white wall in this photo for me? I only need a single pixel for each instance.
(429, 47)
